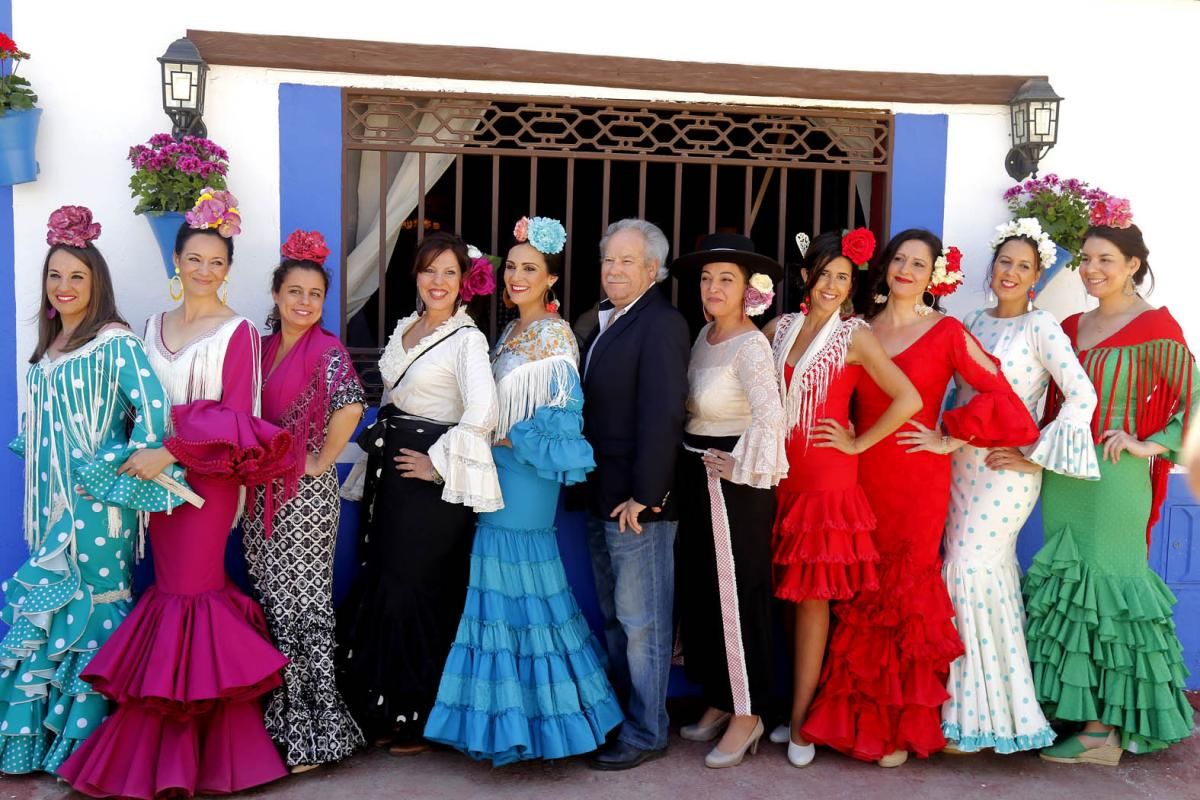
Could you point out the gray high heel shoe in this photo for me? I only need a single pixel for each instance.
(718, 760)
(705, 733)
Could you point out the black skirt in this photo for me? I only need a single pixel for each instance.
(401, 615)
(724, 585)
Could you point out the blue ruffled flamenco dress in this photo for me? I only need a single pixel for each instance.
(525, 677)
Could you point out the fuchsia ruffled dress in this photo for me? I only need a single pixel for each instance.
(189, 666)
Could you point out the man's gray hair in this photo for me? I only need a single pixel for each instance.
(657, 245)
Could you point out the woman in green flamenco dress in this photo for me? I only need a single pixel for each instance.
(1101, 636)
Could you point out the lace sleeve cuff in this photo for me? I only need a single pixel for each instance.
(760, 458)
(463, 457)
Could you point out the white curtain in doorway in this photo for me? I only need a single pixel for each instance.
(362, 265)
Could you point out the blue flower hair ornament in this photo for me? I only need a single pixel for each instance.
(544, 234)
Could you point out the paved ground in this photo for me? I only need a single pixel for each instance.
(682, 776)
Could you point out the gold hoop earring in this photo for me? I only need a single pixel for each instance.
(224, 287)
(175, 286)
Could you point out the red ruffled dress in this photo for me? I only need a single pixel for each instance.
(884, 679)
(190, 664)
(822, 548)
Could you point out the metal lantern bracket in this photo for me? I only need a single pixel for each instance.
(1034, 115)
(184, 75)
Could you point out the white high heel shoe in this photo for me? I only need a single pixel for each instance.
(719, 760)
(705, 733)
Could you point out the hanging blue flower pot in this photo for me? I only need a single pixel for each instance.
(1064, 258)
(18, 138)
(165, 225)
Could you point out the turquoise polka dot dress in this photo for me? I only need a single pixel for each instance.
(64, 602)
(992, 699)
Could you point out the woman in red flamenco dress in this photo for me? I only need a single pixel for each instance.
(822, 548)
(884, 678)
(189, 666)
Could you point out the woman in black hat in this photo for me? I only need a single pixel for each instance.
(733, 455)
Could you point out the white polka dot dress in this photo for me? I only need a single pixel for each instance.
(992, 700)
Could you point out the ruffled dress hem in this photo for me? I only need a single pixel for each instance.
(1104, 647)
(1001, 744)
(823, 546)
(525, 677)
(883, 684)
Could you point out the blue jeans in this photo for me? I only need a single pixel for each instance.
(635, 584)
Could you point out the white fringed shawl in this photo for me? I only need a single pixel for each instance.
(196, 370)
(821, 361)
(547, 368)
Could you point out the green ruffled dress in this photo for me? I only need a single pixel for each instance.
(1101, 636)
(64, 602)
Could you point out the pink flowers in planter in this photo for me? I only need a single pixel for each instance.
(169, 174)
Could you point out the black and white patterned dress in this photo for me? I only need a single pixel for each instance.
(292, 576)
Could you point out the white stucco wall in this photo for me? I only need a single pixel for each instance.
(1119, 63)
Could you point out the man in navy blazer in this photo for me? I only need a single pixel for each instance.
(635, 390)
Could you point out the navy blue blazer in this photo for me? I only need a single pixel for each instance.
(635, 393)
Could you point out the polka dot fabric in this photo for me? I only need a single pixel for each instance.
(992, 698)
(64, 602)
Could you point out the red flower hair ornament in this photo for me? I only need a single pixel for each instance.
(858, 245)
(305, 246)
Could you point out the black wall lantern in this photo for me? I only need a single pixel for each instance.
(184, 74)
(1034, 112)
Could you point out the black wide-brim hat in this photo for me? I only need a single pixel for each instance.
(731, 248)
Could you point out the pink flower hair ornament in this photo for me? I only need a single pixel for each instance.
(480, 278)
(305, 246)
(216, 208)
(72, 226)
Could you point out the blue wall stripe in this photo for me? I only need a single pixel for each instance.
(919, 172)
(310, 175)
(12, 474)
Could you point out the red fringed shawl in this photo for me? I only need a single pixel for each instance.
(1148, 363)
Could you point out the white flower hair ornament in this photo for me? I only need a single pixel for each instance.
(1028, 228)
(760, 294)
(802, 243)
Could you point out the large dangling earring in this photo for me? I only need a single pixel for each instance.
(923, 307)
(1130, 289)
(420, 305)
(506, 298)
(51, 312)
(550, 300)
(175, 286)
(224, 298)
(804, 306)
(1032, 294)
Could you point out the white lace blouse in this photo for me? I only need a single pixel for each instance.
(733, 391)
(452, 384)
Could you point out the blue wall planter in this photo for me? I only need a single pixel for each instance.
(18, 139)
(1064, 258)
(165, 225)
